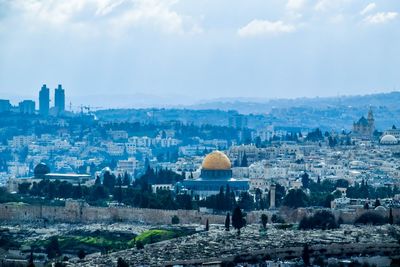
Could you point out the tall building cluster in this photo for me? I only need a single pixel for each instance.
(44, 100)
(28, 106)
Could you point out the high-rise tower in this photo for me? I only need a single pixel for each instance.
(59, 99)
(44, 100)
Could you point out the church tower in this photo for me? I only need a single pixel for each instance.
(371, 121)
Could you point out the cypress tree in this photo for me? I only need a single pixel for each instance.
(306, 255)
(227, 222)
(238, 221)
(391, 219)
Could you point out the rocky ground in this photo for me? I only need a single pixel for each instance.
(218, 244)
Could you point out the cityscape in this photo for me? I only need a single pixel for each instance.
(153, 133)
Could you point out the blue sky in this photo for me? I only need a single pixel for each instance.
(183, 51)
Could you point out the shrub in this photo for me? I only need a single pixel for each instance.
(175, 220)
(324, 220)
(81, 254)
(122, 263)
(139, 244)
(277, 219)
(371, 218)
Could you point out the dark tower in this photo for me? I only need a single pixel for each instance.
(44, 100)
(59, 99)
(371, 121)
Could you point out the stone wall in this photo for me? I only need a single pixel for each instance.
(79, 212)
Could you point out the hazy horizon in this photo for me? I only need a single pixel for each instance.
(185, 52)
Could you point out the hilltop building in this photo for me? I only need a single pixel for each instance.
(365, 127)
(44, 100)
(5, 105)
(27, 107)
(59, 99)
(216, 172)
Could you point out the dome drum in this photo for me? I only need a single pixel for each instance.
(216, 174)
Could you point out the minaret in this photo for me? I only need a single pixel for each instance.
(272, 196)
(371, 121)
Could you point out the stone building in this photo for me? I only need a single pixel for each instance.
(365, 126)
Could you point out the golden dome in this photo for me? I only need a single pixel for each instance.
(216, 161)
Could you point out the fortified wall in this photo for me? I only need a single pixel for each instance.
(79, 212)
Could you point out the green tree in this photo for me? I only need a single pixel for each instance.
(227, 222)
(377, 203)
(296, 198)
(30, 261)
(81, 254)
(305, 180)
(238, 220)
(264, 220)
(306, 255)
(109, 180)
(391, 219)
(277, 219)
(324, 220)
(122, 263)
(127, 179)
(370, 217)
(244, 162)
(175, 220)
(139, 245)
(53, 248)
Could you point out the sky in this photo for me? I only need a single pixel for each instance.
(125, 52)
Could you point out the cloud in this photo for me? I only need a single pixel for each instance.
(295, 4)
(115, 15)
(265, 27)
(368, 8)
(381, 17)
(326, 5)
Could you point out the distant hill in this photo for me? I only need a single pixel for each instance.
(305, 113)
(390, 100)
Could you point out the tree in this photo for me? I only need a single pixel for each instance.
(277, 219)
(30, 261)
(126, 180)
(238, 220)
(175, 220)
(324, 220)
(244, 162)
(24, 187)
(391, 219)
(97, 181)
(306, 255)
(227, 222)
(295, 198)
(305, 180)
(246, 201)
(207, 226)
(264, 220)
(109, 180)
(81, 254)
(377, 203)
(122, 263)
(53, 248)
(118, 191)
(329, 198)
(139, 245)
(370, 217)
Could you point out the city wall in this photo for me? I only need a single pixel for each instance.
(79, 212)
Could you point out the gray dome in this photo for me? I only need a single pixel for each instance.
(388, 140)
(41, 170)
